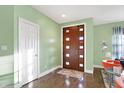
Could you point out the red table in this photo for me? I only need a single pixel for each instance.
(110, 64)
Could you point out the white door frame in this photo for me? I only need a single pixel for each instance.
(38, 69)
(84, 43)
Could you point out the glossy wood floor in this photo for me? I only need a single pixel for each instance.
(54, 80)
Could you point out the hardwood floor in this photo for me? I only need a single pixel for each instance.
(54, 80)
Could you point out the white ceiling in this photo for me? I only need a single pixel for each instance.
(100, 13)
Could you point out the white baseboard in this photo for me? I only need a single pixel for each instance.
(48, 71)
(98, 66)
(17, 85)
(40, 75)
(61, 66)
(89, 71)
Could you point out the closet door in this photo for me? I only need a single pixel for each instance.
(28, 51)
(73, 47)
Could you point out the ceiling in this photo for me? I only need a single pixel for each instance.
(100, 13)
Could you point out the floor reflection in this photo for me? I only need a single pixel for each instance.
(54, 80)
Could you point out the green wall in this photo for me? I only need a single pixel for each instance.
(50, 52)
(89, 41)
(6, 29)
(6, 39)
(103, 32)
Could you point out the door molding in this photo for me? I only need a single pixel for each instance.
(16, 55)
(84, 43)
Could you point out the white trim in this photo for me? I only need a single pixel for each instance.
(89, 71)
(16, 57)
(85, 30)
(98, 66)
(40, 75)
(6, 60)
(62, 47)
(38, 50)
(17, 85)
(48, 71)
(6, 65)
(27, 21)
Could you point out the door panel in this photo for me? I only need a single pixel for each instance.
(81, 47)
(73, 47)
(28, 51)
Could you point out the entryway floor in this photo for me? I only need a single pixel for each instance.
(55, 80)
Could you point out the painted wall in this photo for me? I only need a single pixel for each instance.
(6, 39)
(103, 32)
(49, 37)
(50, 45)
(89, 41)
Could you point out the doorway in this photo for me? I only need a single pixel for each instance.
(28, 51)
(73, 47)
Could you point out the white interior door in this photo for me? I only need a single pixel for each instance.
(28, 51)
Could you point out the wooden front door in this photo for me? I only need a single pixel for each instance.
(73, 47)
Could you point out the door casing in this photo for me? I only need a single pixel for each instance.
(16, 56)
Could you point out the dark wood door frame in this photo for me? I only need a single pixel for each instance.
(63, 45)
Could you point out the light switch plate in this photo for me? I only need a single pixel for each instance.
(3, 47)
